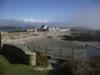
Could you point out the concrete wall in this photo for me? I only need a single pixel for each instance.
(17, 56)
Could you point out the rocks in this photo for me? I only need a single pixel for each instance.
(44, 68)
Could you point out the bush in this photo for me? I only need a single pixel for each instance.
(41, 60)
(74, 68)
(95, 64)
(82, 68)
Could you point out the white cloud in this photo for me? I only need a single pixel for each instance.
(34, 20)
(45, 21)
(28, 20)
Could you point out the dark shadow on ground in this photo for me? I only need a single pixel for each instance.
(14, 54)
(60, 69)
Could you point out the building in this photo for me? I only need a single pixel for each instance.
(65, 30)
(44, 28)
(29, 30)
(52, 29)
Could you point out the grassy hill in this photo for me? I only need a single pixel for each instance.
(17, 69)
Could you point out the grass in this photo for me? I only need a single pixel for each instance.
(14, 69)
(22, 70)
(91, 67)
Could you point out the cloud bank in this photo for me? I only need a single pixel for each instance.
(34, 20)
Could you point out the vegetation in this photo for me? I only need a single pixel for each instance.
(3, 64)
(14, 69)
(91, 67)
(42, 60)
(78, 68)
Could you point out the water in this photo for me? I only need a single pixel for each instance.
(92, 52)
(12, 29)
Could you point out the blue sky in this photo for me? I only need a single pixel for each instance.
(51, 10)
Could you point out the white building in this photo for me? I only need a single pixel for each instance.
(30, 30)
(65, 30)
(52, 29)
(44, 27)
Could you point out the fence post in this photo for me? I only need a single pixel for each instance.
(34, 48)
(60, 50)
(72, 54)
(0, 40)
(46, 50)
(39, 48)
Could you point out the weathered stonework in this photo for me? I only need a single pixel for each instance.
(32, 59)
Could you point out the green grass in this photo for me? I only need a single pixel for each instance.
(22, 70)
(15, 69)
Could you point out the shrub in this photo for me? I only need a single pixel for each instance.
(74, 68)
(41, 60)
(95, 64)
(82, 68)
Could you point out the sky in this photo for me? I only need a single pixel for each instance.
(59, 11)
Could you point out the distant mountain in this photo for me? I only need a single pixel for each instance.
(24, 23)
(18, 23)
(15, 23)
(11, 23)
